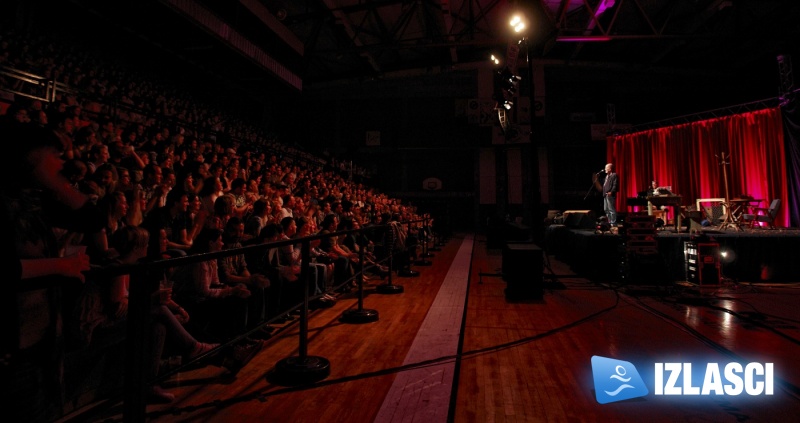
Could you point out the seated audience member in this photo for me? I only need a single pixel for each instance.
(210, 189)
(318, 272)
(188, 183)
(252, 189)
(307, 227)
(233, 271)
(114, 210)
(98, 156)
(277, 206)
(324, 212)
(173, 217)
(223, 211)
(75, 171)
(155, 191)
(267, 262)
(405, 247)
(330, 245)
(242, 204)
(257, 220)
(195, 215)
(125, 182)
(136, 203)
(288, 207)
(85, 140)
(105, 179)
(220, 309)
(126, 156)
(356, 242)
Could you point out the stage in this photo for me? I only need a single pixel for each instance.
(753, 255)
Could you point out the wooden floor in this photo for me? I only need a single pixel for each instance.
(451, 348)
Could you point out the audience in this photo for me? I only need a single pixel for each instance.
(167, 168)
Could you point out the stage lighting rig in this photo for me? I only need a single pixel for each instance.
(505, 87)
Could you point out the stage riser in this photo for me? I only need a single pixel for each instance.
(760, 257)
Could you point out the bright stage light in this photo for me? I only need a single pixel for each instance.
(727, 256)
(518, 23)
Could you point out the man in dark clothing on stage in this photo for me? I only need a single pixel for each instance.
(610, 188)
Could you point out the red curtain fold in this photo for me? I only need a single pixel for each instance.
(689, 158)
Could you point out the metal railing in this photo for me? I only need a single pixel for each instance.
(145, 282)
(34, 86)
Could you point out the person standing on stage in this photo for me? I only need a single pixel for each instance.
(610, 188)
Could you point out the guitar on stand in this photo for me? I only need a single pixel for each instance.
(730, 217)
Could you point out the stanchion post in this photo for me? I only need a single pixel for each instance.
(422, 239)
(302, 369)
(304, 269)
(425, 226)
(360, 315)
(436, 241)
(389, 287)
(138, 342)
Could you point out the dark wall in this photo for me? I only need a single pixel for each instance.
(422, 124)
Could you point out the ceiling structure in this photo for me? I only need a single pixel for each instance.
(283, 47)
(362, 38)
(316, 41)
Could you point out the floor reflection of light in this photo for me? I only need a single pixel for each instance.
(727, 326)
(691, 316)
(727, 323)
(728, 305)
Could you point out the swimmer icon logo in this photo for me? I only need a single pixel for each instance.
(616, 380)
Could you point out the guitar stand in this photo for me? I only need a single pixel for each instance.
(729, 221)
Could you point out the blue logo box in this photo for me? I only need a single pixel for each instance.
(616, 380)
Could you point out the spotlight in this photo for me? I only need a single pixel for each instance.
(518, 23)
(727, 256)
(506, 82)
(506, 75)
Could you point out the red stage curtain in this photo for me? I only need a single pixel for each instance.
(688, 157)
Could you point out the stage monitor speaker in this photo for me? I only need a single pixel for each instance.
(579, 219)
(523, 270)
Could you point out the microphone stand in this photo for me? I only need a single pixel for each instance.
(592, 187)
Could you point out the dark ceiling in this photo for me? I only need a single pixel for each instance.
(302, 44)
